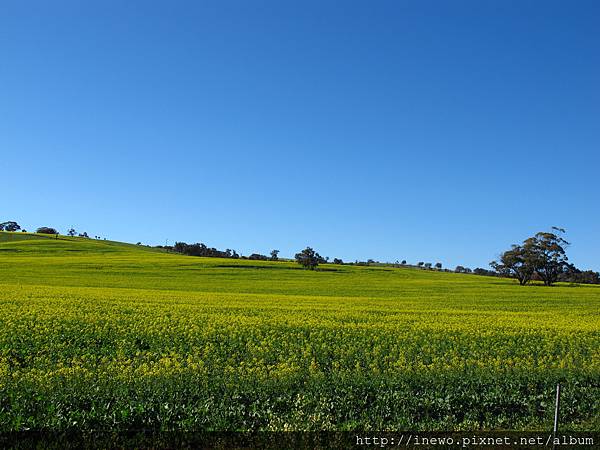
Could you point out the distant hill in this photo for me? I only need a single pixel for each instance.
(44, 243)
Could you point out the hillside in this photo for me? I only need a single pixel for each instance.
(105, 334)
(43, 243)
(72, 261)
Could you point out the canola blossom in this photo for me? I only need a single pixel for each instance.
(99, 335)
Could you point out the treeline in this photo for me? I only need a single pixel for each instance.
(541, 257)
(13, 226)
(200, 249)
(307, 258)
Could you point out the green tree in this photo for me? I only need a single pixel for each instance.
(9, 226)
(308, 258)
(46, 230)
(549, 255)
(518, 262)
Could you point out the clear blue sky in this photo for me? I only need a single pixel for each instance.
(418, 130)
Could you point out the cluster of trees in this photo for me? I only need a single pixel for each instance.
(572, 274)
(541, 257)
(274, 256)
(484, 272)
(72, 232)
(200, 249)
(477, 271)
(543, 254)
(46, 230)
(307, 258)
(14, 226)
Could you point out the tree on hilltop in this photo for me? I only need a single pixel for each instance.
(9, 226)
(274, 255)
(46, 230)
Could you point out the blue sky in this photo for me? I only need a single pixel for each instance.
(418, 130)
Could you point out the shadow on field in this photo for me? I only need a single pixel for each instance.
(240, 266)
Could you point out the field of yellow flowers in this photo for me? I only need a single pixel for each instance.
(97, 335)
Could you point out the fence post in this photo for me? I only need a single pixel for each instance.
(556, 408)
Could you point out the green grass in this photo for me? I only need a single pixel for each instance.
(99, 334)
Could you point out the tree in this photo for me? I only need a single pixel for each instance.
(541, 257)
(308, 258)
(9, 226)
(438, 266)
(403, 262)
(72, 232)
(549, 255)
(587, 277)
(46, 230)
(274, 255)
(574, 275)
(459, 269)
(258, 256)
(480, 271)
(337, 261)
(84, 234)
(420, 264)
(428, 265)
(518, 262)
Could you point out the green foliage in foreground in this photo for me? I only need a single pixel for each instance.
(96, 335)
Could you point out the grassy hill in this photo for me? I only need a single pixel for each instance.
(98, 334)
